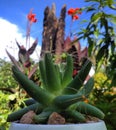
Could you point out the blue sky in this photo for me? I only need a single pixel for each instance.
(15, 11)
(13, 19)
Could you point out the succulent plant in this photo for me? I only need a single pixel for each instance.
(58, 92)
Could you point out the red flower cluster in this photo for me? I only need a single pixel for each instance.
(31, 17)
(73, 12)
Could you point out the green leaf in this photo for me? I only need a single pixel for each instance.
(110, 4)
(59, 71)
(44, 115)
(88, 87)
(111, 17)
(19, 113)
(101, 53)
(64, 101)
(43, 73)
(52, 77)
(89, 110)
(96, 17)
(67, 77)
(91, 1)
(90, 8)
(42, 118)
(96, 33)
(77, 116)
(31, 88)
(91, 45)
(79, 79)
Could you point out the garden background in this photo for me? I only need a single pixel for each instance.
(95, 28)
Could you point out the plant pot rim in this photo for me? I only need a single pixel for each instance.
(100, 125)
(46, 125)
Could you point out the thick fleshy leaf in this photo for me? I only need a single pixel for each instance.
(43, 74)
(67, 77)
(31, 88)
(19, 113)
(65, 101)
(89, 110)
(52, 77)
(79, 79)
(88, 87)
(77, 116)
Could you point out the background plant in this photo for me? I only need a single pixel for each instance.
(103, 94)
(9, 93)
(7, 83)
(99, 32)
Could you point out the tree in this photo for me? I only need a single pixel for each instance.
(100, 34)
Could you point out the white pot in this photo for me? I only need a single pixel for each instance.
(85, 126)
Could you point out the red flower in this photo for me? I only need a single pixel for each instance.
(75, 17)
(31, 17)
(73, 12)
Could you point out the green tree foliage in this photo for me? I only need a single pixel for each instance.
(100, 33)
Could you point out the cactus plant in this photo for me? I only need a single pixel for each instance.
(58, 92)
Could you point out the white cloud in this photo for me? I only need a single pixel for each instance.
(8, 33)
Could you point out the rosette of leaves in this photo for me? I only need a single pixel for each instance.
(58, 92)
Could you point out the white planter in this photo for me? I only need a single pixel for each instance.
(85, 126)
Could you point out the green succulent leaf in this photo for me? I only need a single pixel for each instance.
(31, 88)
(67, 77)
(65, 101)
(78, 81)
(29, 101)
(43, 73)
(44, 115)
(19, 113)
(52, 77)
(88, 87)
(77, 116)
(89, 110)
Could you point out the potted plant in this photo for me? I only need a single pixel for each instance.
(59, 101)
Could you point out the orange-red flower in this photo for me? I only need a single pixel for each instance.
(73, 12)
(31, 17)
(75, 17)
